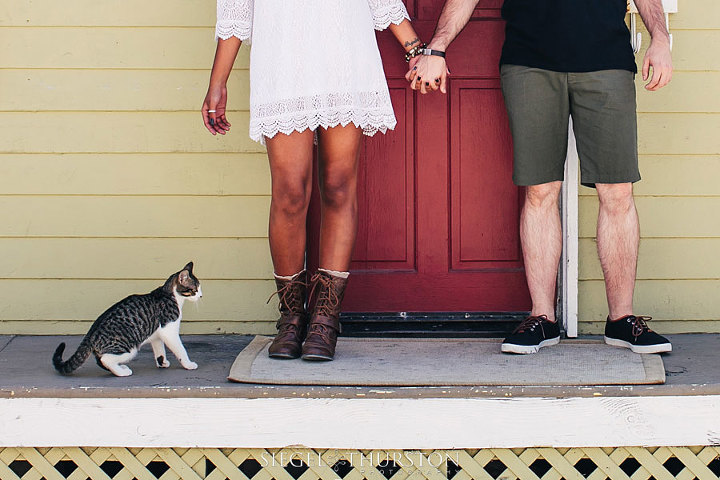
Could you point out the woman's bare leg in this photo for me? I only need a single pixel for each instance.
(291, 160)
(339, 154)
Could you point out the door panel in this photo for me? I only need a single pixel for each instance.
(483, 197)
(386, 193)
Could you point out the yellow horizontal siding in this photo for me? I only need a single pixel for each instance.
(661, 299)
(44, 327)
(696, 14)
(680, 217)
(695, 92)
(139, 173)
(676, 175)
(112, 47)
(77, 299)
(662, 259)
(112, 90)
(134, 258)
(120, 132)
(129, 13)
(103, 216)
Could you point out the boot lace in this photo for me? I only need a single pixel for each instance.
(327, 300)
(326, 303)
(289, 298)
(530, 323)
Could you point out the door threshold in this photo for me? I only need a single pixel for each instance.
(431, 324)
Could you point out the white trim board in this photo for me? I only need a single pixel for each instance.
(361, 423)
(569, 268)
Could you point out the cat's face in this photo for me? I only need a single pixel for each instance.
(187, 285)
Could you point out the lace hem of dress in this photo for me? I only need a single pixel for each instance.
(371, 111)
(386, 15)
(370, 122)
(243, 31)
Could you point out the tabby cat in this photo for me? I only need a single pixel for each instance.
(117, 334)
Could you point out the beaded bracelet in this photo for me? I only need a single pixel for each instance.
(415, 51)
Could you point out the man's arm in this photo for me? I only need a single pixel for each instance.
(455, 15)
(431, 71)
(658, 53)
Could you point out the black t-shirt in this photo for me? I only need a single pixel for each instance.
(567, 35)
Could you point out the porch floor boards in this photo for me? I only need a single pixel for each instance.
(26, 371)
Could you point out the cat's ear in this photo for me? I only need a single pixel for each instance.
(188, 267)
(183, 277)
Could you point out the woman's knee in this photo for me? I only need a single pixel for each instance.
(339, 189)
(291, 197)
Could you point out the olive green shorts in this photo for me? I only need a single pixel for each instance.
(602, 105)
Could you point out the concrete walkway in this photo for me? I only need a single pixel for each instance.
(26, 371)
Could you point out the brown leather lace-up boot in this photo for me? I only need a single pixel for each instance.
(325, 321)
(292, 324)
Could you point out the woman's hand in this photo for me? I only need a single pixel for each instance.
(213, 110)
(428, 73)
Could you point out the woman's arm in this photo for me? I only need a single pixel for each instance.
(405, 34)
(393, 15)
(234, 24)
(213, 109)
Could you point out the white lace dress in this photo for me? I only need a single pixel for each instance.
(313, 63)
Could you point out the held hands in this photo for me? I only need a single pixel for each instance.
(213, 110)
(658, 57)
(428, 73)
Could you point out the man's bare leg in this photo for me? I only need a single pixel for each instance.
(618, 237)
(541, 237)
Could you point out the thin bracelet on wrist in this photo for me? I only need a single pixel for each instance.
(415, 51)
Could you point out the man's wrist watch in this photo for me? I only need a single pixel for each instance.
(429, 51)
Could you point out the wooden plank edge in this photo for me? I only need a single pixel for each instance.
(361, 423)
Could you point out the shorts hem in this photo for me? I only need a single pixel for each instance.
(626, 178)
(529, 182)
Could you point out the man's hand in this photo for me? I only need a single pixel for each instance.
(658, 57)
(429, 73)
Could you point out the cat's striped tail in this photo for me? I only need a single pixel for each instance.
(74, 362)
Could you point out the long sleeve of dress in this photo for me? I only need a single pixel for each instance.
(385, 12)
(234, 18)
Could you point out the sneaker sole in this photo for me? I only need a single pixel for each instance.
(659, 348)
(526, 349)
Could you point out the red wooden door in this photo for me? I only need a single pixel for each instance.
(438, 210)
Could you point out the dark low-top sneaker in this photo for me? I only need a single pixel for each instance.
(531, 335)
(632, 332)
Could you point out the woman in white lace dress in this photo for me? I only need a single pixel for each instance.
(315, 69)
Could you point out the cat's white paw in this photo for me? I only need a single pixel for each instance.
(165, 364)
(122, 371)
(190, 365)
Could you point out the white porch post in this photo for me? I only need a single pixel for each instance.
(569, 270)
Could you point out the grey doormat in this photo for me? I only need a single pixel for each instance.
(450, 362)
